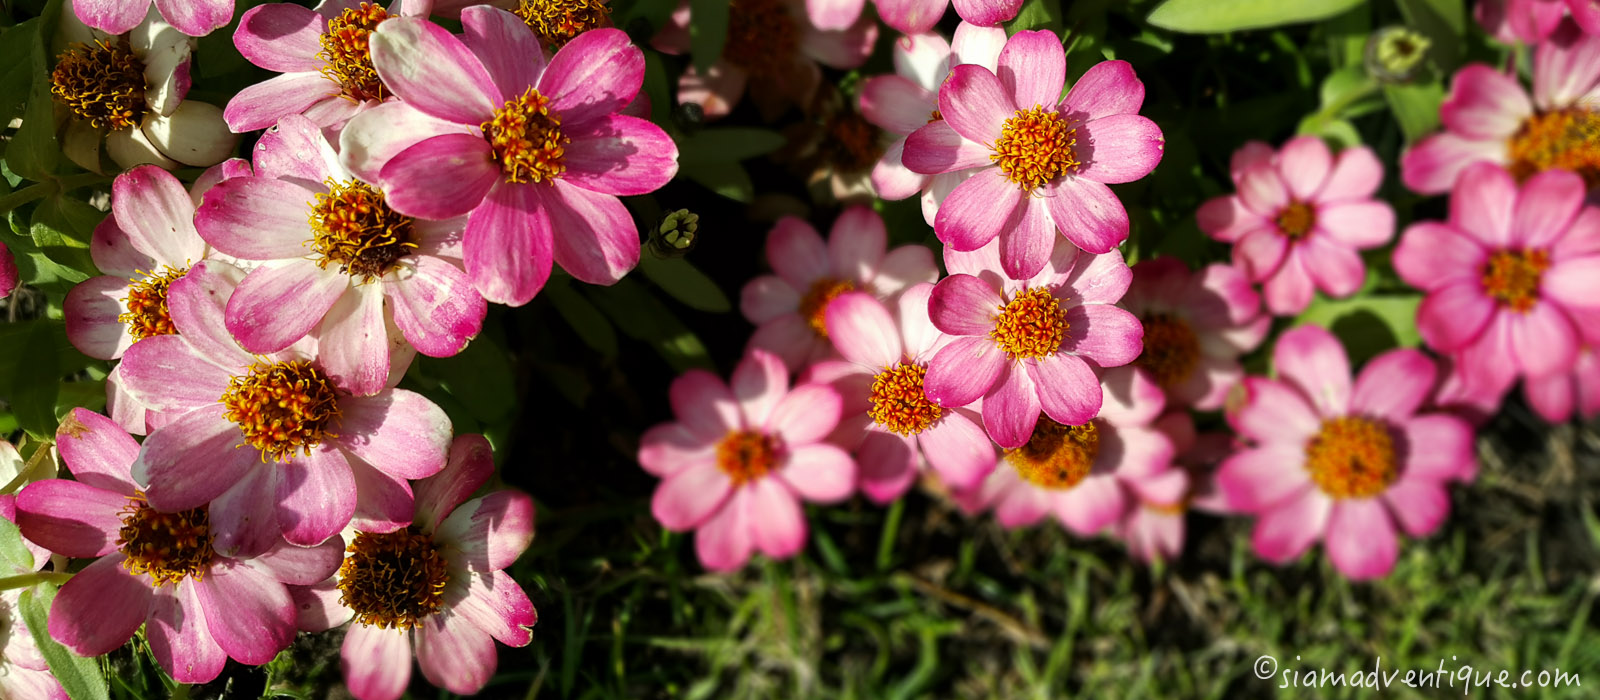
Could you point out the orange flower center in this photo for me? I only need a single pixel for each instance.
(1565, 139)
(557, 22)
(762, 37)
(353, 227)
(1030, 326)
(1036, 146)
(1512, 277)
(345, 55)
(393, 579)
(935, 116)
(1296, 220)
(814, 305)
(852, 143)
(898, 402)
(102, 83)
(169, 547)
(282, 407)
(746, 455)
(1352, 457)
(1056, 456)
(1171, 349)
(527, 139)
(146, 303)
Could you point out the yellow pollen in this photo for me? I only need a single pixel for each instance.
(353, 227)
(814, 305)
(852, 143)
(395, 579)
(763, 38)
(1566, 139)
(557, 22)
(102, 83)
(146, 303)
(1178, 508)
(936, 116)
(1031, 325)
(527, 139)
(168, 547)
(282, 408)
(1171, 349)
(746, 455)
(898, 402)
(1056, 456)
(1296, 220)
(1036, 146)
(345, 55)
(1512, 277)
(1351, 457)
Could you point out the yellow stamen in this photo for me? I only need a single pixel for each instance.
(346, 56)
(1056, 456)
(146, 303)
(746, 455)
(557, 22)
(283, 408)
(395, 579)
(1036, 146)
(527, 139)
(1030, 326)
(1352, 457)
(353, 227)
(898, 401)
(168, 547)
(102, 83)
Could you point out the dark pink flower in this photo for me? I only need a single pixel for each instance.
(8, 272)
(1196, 325)
(1533, 21)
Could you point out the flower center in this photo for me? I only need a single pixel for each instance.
(1564, 139)
(1030, 326)
(168, 546)
(852, 143)
(1351, 457)
(898, 402)
(762, 37)
(1512, 277)
(101, 82)
(147, 303)
(1296, 220)
(282, 407)
(345, 53)
(1171, 349)
(394, 579)
(935, 116)
(746, 455)
(557, 22)
(1056, 456)
(814, 305)
(354, 228)
(527, 139)
(1035, 147)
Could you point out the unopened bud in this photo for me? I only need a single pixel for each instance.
(1395, 53)
(674, 237)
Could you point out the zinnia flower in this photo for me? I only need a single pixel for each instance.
(1504, 273)
(1557, 397)
(1488, 116)
(1299, 218)
(1087, 475)
(535, 152)
(904, 102)
(1343, 463)
(890, 424)
(1044, 161)
(201, 602)
(1196, 325)
(271, 441)
(1155, 529)
(438, 587)
(789, 308)
(911, 16)
(9, 279)
(739, 459)
(192, 17)
(336, 261)
(1031, 345)
(1533, 21)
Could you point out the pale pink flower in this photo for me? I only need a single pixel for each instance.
(1560, 396)
(455, 601)
(1300, 218)
(1342, 463)
(1154, 528)
(335, 261)
(906, 101)
(192, 17)
(1533, 21)
(911, 16)
(9, 279)
(540, 182)
(1032, 345)
(200, 602)
(739, 459)
(1196, 325)
(790, 307)
(1043, 161)
(271, 441)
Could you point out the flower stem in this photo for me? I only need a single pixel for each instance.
(28, 580)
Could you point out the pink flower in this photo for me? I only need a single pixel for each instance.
(1088, 475)
(336, 262)
(772, 46)
(192, 17)
(1343, 463)
(438, 587)
(272, 442)
(1196, 325)
(1557, 397)
(909, 99)
(1031, 345)
(1533, 21)
(1153, 527)
(9, 278)
(1043, 160)
(201, 602)
(325, 70)
(739, 459)
(911, 16)
(789, 308)
(1454, 394)
(1488, 116)
(888, 421)
(540, 181)
(1504, 274)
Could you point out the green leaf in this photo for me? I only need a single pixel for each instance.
(1037, 14)
(685, 283)
(33, 387)
(591, 326)
(34, 152)
(727, 145)
(1367, 325)
(1444, 22)
(61, 228)
(13, 553)
(1342, 133)
(1415, 107)
(16, 67)
(1216, 16)
(641, 316)
(727, 179)
(658, 89)
(79, 676)
(708, 31)
(479, 376)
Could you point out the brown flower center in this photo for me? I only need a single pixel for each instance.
(1352, 457)
(852, 143)
(527, 139)
(1031, 325)
(746, 455)
(169, 547)
(1171, 349)
(146, 303)
(1564, 139)
(102, 83)
(353, 227)
(282, 407)
(1056, 456)
(814, 305)
(1296, 220)
(1036, 146)
(394, 579)
(345, 52)
(762, 37)
(1512, 277)
(557, 22)
(898, 402)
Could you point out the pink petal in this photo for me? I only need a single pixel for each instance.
(937, 148)
(70, 518)
(111, 16)
(113, 252)
(193, 460)
(716, 91)
(1285, 532)
(778, 524)
(1095, 279)
(1288, 292)
(1304, 163)
(723, 542)
(316, 495)
(317, 608)
(1361, 540)
(509, 245)
(1484, 103)
(1263, 191)
(495, 604)
(1027, 240)
(1394, 385)
(619, 155)
(178, 636)
(1088, 213)
(1312, 359)
(281, 38)
(1032, 68)
(1565, 69)
(1108, 335)
(455, 654)
(667, 448)
(1419, 506)
(856, 244)
(1483, 205)
(397, 431)
(99, 608)
(836, 49)
(888, 465)
(1336, 269)
(797, 253)
(1276, 413)
(155, 211)
(279, 304)
(374, 137)
(431, 70)
(704, 405)
(197, 303)
(245, 516)
(1356, 175)
(687, 497)
(1546, 207)
(911, 16)
(1108, 88)
(1011, 409)
(978, 210)
(1068, 390)
(1573, 282)
(819, 472)
(1126, 147)
(1435, 163)
(353, 341)
(905, 266)
(196, 17)
(1260, 253)
(595, 74)
(488, 533)
(376, 662)
(256, 218)
(1226, 219)
(975, 103)
(1455, 316)
(833, 14)
(896, 104)
(1257, 479)
(958, 450)
(1359, 225)
(166, 374)
(1442, 447)
(510, 53)
(965, 370)
(1089, 507)
(262, 104)
(767, 297)
(805, 415)
(300, 566)
(442, 177)
(1543, 340)
(863, 331)
(595, 237)
(987, 13)
(892, 179)
(97, 451)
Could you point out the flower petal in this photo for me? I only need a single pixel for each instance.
(99, 608)
(964, 371)
(279, 303)
(595, 238)
(431, 70)
(157, 214)
(1314, 360)
(97, 451)
(376, 662)
(1088, 213)
(193, 460)
(488, 533)
(397, 431)
(1108, 88)
(819, 472)
(178, 636)
(975, 103)
(1122, 148)
(316, 495)
(978, 210)
(1361, 540)
(1011, 409)
(442, 177)
(509, 245)
(70, 518)
(595, 74)
(1069, 391)
(619, 155)
(455, 654)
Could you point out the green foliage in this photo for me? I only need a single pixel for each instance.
(80, 677)
(1216, 16)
